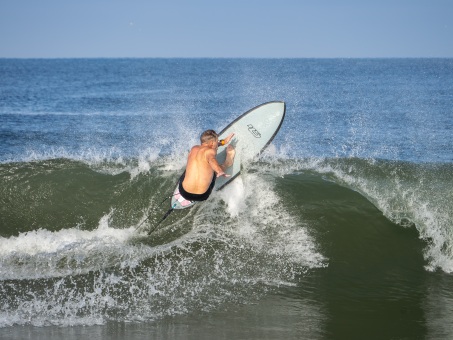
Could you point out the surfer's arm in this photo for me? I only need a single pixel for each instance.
(212, 161)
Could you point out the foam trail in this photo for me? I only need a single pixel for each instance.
(43, 253)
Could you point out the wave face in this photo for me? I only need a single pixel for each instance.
(72, 251)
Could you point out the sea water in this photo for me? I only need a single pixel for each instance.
(342, 229)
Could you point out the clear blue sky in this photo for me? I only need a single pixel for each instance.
(228, 28)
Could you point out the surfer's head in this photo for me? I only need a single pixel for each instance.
(208, 136)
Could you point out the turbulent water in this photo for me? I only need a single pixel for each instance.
(343, 228)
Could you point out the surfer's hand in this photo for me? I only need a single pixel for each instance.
(230, 149)
(220, 174)
(230, 136)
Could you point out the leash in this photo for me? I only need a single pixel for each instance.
(162, 219)
(165, 216)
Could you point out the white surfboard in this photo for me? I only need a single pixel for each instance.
(253, 132)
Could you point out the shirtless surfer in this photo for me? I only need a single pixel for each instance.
(202, 168)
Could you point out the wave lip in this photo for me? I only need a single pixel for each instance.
(408, 194)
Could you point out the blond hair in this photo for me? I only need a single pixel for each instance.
(208, 136)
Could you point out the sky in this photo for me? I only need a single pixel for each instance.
(226, 29)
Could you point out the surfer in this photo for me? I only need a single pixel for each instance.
(197, 182)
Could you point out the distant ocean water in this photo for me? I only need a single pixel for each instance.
(342, 229)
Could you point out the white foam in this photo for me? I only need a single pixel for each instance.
(146, 158)
(42, 253)
(261, 221)
(234, 196)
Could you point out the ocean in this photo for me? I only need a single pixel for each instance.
(341, 229)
